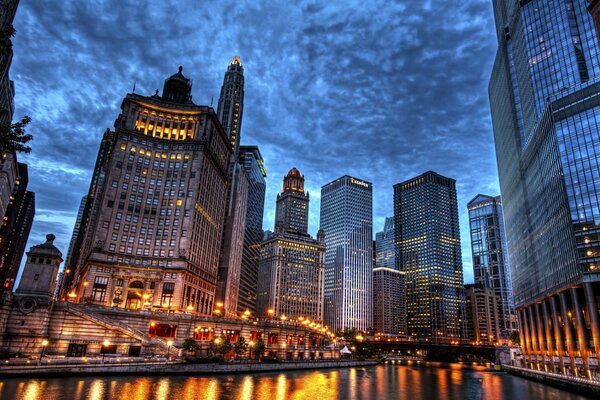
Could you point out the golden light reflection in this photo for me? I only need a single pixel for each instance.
(247, 389)
(32, 390)
(162, 392)
(96, 390)
(282, 387)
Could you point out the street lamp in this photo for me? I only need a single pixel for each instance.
(44, 344)
(105, 345)
(169, 344)
(271, 312)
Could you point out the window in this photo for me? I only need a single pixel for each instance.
(167, 294)
(99, 288)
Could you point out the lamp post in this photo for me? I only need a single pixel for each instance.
(169, 344)
(105, 345)
(250, 348)
(44, 344)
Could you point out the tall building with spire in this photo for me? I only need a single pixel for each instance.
(429, 254)
(231, 103)
(152, 224)
(230, 108)
(347, 221)
(545, 104)
(291, 269)
(292, 203)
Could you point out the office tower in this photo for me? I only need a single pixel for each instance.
(231, 104)
(292, 203)
(389, 307)
(152, 224)
(545, 103)
(15, 229)
(291, 269)
(482, 312)
(428, 252)
(252, 162)
(347, 220)
(76, 229)
(490, 262)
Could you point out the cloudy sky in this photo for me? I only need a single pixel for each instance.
(373, 89)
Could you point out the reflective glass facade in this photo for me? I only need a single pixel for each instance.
(490, 263)
(428, 252)
(547, 70)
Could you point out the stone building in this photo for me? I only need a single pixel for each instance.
(483, 311)
(291, 267)
(150, 232)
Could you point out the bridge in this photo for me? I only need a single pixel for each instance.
(440, 351)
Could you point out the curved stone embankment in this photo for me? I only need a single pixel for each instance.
(563, 382)
(173, 368)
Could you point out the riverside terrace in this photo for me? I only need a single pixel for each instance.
(80, 330)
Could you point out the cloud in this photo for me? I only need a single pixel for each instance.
(377, 90)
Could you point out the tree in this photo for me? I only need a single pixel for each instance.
(221, 345)
(6, 35)
(13, 137)
(190, 345)
(515, 339)
(259, 348)
(240, 347)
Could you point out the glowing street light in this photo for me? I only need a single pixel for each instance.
(105, 345)
(271, 312)
(169, 344)
(44, 344)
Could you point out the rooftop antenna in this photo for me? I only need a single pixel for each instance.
(211, 100)
(133, 90)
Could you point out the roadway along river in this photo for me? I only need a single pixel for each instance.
(378, 382)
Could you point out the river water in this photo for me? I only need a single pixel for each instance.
(377, 382)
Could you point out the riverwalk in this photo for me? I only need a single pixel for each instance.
(569, 383)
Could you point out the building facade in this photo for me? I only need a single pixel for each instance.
(347, 220)
(152, 225)
(428, 252)
(490, 261)
(483, 314)
(292, 203)
(594, 8)
(389, 308)
(291, 268)
(76, 229)
(15, 228)
(252, 162)
(229, 112)
(545, 103)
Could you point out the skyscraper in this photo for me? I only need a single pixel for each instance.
(15, 228)
(76, 229)
(482, 314)
(545, 102)
(291, 268)
(389, 308)
(292, 203)
(428, 252)
(490, 262)
(252, 162)
(152, 224)
(231, 105)
(347, 220)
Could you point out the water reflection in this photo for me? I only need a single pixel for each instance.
(380, 382)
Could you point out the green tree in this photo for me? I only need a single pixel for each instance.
(6, 35)
(240, 347)
(13, 137)
(515, 339)
(259, 348)
(190, 345)
(221, 345)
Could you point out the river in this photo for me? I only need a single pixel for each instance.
(377, 382)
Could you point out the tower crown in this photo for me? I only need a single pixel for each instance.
(177, 88)
(294, 180)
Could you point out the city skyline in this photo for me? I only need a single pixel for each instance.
(413, 143)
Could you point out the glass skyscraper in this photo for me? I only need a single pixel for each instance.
(490, 264)
(347, 220)
(252, 162)
(428, 252)
(545, 103)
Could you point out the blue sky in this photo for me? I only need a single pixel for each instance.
(375, 89)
